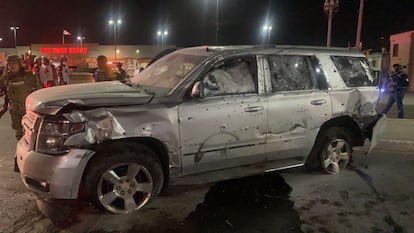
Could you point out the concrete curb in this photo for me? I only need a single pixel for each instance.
(395, 145)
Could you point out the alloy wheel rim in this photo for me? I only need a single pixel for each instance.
(125, 188)
(336, 157)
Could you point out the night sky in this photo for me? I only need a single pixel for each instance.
(192, 22)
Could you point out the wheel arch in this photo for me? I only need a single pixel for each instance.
(152, 143)
(349, 124)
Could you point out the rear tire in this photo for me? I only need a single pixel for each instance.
(124, 178)
(333, 150)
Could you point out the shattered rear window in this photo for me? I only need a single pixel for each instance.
(354, 71)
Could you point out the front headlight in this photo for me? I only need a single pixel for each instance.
(53, 134)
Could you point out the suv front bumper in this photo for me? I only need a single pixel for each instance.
(56, 177)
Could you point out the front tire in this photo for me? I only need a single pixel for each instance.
(124, 179)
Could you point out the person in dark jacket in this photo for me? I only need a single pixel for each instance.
(120, 73)
(103, 71)
(397, 84)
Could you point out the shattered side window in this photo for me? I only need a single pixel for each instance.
(292, 73)
(354, 71)
(236, 76)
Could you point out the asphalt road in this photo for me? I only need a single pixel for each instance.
(375, 195)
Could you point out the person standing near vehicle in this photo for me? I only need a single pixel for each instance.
(36, 67)
(27, 61)
(48, 74)
(63, 72)
(103, 72)
(397, 84)
(121, 73)
(16, 84)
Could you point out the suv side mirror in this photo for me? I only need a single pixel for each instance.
(196, 91)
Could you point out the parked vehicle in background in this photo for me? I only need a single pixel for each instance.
(198, 115)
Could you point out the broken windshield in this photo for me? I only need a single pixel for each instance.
(165, 74)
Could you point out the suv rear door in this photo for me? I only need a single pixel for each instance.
(298, 104)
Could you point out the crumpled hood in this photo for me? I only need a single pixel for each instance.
(101, 94)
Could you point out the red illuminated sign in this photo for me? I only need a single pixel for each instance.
(64, 50)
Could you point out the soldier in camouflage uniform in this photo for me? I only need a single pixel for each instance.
(16, 84)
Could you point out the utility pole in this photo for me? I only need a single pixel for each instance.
(330, 7)
(358, 35)
(217, 21)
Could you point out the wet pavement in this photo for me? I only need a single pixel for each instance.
(251, 204)
(374, 195)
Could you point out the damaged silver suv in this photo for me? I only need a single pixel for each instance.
(198, 115)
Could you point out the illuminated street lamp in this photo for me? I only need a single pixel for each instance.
(112, 22)
(266, 32)
(14, 29)
(81, 38)
(162, 34)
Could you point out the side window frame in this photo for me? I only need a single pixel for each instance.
(253, 69)
(354, 81)
(316, 76)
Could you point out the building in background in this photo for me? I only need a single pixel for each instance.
(380, 63)
(133, 57)
(402, 52)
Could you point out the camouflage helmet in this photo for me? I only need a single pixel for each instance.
(14, 58)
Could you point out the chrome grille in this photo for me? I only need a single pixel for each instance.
(30, 124)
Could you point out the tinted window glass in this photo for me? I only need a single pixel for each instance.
(353, 70)
(235, 76)
(292, 73)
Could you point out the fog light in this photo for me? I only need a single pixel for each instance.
(42, 186)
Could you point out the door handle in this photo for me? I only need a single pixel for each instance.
(254, 109)
(318, 102)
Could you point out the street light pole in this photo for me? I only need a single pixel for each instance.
(118, 22)
(358, 35)
(81, 38)
(14, 29)
(266, 30)
(162, 34)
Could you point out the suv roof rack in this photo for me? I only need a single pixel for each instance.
(242, 47)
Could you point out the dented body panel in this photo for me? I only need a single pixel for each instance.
(257, 121)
